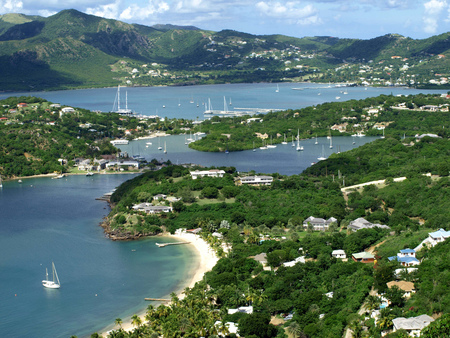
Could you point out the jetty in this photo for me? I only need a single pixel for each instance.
(159, 245)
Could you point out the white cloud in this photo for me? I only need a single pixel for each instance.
(110, 11)
(290, 11)
(135, 12)
(10, 6)
(433, 9)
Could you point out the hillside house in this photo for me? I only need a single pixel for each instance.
(254, 180)
(318, 223)
(412, 325)
(209, 173)
(407, 287)
(363, 257)
(339, 254)
(361, 223)
(149, 208)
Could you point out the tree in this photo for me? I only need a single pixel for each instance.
(395, 296)
(257, 324)
(136, 320)
(440, 328)
(294, 329)
(118, 322)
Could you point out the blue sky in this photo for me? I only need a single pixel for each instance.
(362, 19)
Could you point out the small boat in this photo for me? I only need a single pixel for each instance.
(148, 143)
(316, 140)
(284, 142)
(54, 283)
(89, 173)
(278, 89)
(338, 97)
(59, 176)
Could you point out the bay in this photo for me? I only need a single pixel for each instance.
(45, 220)
(177, 100)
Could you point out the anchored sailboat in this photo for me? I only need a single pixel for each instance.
(54, 283)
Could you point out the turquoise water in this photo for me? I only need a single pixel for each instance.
(45, 220)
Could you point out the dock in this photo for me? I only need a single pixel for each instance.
(159, 245)
(157, 299)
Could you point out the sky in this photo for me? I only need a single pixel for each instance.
(362, 19)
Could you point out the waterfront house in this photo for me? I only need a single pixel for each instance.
(255, 180)
(339, 254)
(134, 164)
(412, 325)
(318, 223)
(209, 173)
(361, 223)
(363, 257)
(407, 287)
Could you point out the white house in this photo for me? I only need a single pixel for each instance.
(412, 325)
(340, 254)
(149, 208)
(209, 173)
(361, 223)
(319, 223)
(255, 180)
(243, 309)
(300, 259)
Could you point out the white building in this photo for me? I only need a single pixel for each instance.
(255, 180)
(209, 173)
(340, 254)
(412, 325)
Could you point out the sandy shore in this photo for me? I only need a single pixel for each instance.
(207, 259)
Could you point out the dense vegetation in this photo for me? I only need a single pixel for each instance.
(239, 134)
(33, 138)
(71, 50)
(323, 296)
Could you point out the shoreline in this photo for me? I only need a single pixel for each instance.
(52, 175)
(206, 260)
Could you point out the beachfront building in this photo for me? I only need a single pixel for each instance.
(254, 180)
(363, 257)
(412, 325)
(121, 164)
(149, 208)
(319, 224)
(339, 254)
(209, 173)
(361, 223)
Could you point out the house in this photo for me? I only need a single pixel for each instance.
(300, 259)
(209, 173)
(438, 236)
(340, 254)
(67, 110)
(134, 164)
(412, 325)
(243, 309)
(318, 223)
(399, 272)
(407, 287)
(407, 253)
(159, 196)
(148, 208)
(405, 261)
(254, 180)
(261, 258)
(363, 257)
(361, 223)
(22, 105)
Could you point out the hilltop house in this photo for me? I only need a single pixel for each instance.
(254, 180)
(149, 208)
(209, 173)
(406, 257)
(363, 257)
(339, 254)
(412, 325)
(434, 238)
(318, 223)
(407, 287)
(361, 223)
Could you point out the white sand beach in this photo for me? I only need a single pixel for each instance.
(207, 259)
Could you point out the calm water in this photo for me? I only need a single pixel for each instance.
(150, 100)
(284, 159)
(45, 220)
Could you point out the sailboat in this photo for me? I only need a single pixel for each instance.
(159, 144)
(263, 146)
(119, 110)
(321, 158)
(299, 147)
(1, 185)
(278, 89)
(165, 150)
(284, 142)
(293, 144)
(254, 146)
(271, 146)
(331, 143)
(230, 102)
(383, 134)
(54, 283)
(316, 140)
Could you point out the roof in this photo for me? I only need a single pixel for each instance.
(439, 234)
(338, 252)
(414, 323)
(363, 255)
(405, 251)
(402, 285)
(404, 259)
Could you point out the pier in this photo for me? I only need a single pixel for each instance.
(166, 244)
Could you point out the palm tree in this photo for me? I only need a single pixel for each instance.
(118, 322)
(372, 302)
(136, 320)
(294, 329)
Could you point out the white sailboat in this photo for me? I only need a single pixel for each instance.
(278, 89)
(299, 147)
(331, 143)
(316, 140)
(293, 144)
(383, 134)
(254, 146)
(159, 144)
(54, 283)
(322, 157)
(284, 142)
(165, 149)
(271, 146)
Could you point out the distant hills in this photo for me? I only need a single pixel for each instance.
(72, 50)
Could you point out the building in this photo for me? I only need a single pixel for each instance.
(438, 236)
(361, 223)
(406, 257)
(412, 325)
(149, 208)
(255, 180)
(160, 196)
(407, 287)
(300, 259)
(243, 309)
(363, 257)
(318, 223)
(339, 254)
(134, 164)
(209, 173)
